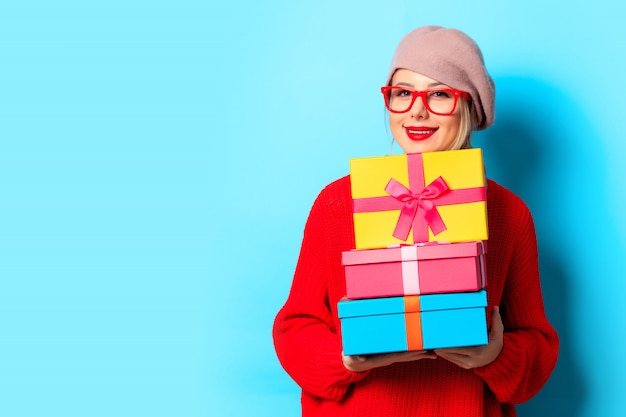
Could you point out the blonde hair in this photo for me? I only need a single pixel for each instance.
(467, 125)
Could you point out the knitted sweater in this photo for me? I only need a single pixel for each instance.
(307, 330)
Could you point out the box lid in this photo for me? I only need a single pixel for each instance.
(393, 305)
(450, 301)
(370, 307)
(422, 251)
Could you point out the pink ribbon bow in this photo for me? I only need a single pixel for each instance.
(414, 203)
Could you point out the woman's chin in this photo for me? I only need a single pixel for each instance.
(418, 147)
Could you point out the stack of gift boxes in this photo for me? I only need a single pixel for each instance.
(416, 277)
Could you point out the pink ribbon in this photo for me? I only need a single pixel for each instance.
(424, 202)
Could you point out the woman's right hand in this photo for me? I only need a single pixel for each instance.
(361, 363)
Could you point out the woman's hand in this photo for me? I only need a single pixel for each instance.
(361, 363)
(477, 356)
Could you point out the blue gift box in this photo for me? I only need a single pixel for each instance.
(415, 322)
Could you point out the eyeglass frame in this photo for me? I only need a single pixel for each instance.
(456, 93)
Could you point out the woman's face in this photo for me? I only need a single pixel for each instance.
(418, 130)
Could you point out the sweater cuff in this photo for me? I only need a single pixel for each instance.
(336, 374)
(504, 375)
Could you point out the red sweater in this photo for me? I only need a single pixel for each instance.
(308, 341)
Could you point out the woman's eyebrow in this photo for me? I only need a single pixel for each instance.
(431, 85)
(405, 84)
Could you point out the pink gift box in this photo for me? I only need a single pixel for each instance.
(415, 269)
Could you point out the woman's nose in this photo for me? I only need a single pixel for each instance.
(419, 110)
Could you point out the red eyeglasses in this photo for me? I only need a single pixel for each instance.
(442, 102)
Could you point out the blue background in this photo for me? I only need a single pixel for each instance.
(158, 160)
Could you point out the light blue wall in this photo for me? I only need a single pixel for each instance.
(158, 160)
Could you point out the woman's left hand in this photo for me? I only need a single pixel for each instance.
(477, 356)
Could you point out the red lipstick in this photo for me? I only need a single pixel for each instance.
(418, 133)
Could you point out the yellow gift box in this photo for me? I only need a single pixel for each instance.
(421, 197)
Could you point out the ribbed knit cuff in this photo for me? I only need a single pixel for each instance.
(330, 368)
(505, 374)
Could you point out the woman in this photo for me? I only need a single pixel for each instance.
(438, 92)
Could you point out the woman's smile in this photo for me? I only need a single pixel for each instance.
(418, 133)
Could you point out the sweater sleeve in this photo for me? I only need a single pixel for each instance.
(306, 335)
(531, 344)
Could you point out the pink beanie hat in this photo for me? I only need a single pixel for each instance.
(450, 57)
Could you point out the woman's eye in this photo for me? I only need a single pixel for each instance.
(440, 94)
(402, 93)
